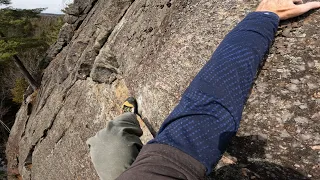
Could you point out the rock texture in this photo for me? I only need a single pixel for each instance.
(110, 49)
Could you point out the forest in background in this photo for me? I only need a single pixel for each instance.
(28, 39)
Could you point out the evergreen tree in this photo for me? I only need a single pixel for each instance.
(16, 36)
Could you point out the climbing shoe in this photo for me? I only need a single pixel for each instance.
(130, 105)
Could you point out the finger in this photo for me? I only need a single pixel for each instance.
(308, 6)
(301, 9)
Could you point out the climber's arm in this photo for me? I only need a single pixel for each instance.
(210, 110)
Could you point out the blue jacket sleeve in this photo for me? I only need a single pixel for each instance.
(210, 109)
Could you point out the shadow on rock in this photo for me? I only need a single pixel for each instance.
(250, 164)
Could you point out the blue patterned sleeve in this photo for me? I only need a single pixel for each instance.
(210, 110)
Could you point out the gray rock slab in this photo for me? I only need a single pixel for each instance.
(154, 49)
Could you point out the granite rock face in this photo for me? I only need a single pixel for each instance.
(108, 50)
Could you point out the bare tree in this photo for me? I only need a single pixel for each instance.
(8, 78)
(4, 129)
(3, 110)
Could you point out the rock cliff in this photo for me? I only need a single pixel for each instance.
(110, 49)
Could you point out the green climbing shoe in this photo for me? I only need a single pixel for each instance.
(130, 105)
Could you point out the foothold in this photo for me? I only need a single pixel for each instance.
(286, 32)
(29, 109)
(311, 64)
(28, 161)
(102, 74)
(312, 86)
(301, 120)
(301, 68)
(295, 81)
(150, 29)
(293, 87)
(84, 71)
(169, 4)
(295, 25)
(303, 106)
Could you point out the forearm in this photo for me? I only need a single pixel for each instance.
(210, 110)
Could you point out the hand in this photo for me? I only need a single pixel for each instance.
(286, 9)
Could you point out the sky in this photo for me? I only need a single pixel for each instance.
(54, 6)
